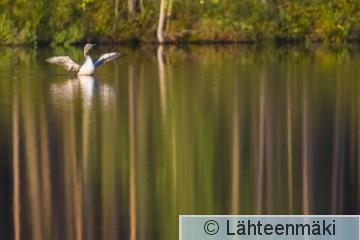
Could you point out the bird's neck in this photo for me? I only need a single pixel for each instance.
(88, 60)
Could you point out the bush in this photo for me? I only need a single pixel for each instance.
(10, 34)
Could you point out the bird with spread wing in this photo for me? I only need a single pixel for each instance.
(88, 67)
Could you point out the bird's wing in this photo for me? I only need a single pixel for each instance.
(66, 62)
(107, 57)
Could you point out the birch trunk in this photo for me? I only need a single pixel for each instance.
(132, 7)
(161, 22)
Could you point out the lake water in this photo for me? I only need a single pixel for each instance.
(175, 130)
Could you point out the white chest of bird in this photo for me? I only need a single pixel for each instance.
(87, 68)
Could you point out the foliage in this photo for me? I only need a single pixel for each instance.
(6, 31)
(70, 21)
(10, 34)
(69, 35)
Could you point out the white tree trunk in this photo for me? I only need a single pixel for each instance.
(161, 22)
(132, 7)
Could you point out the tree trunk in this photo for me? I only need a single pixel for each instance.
(116, 14)
(161, 22)
(168, 15)
(141, 6)
(132, 7)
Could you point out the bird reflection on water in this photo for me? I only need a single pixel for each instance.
(86, 86)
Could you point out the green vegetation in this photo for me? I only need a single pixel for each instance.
(63, 22)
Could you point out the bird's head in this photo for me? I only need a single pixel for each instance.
(87, 48)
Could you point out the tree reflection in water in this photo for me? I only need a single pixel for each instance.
(197, 130)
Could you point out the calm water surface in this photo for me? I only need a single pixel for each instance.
(169, 131)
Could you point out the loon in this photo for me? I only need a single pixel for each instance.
(88, 66)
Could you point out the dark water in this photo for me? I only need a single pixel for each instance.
(169, 131)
